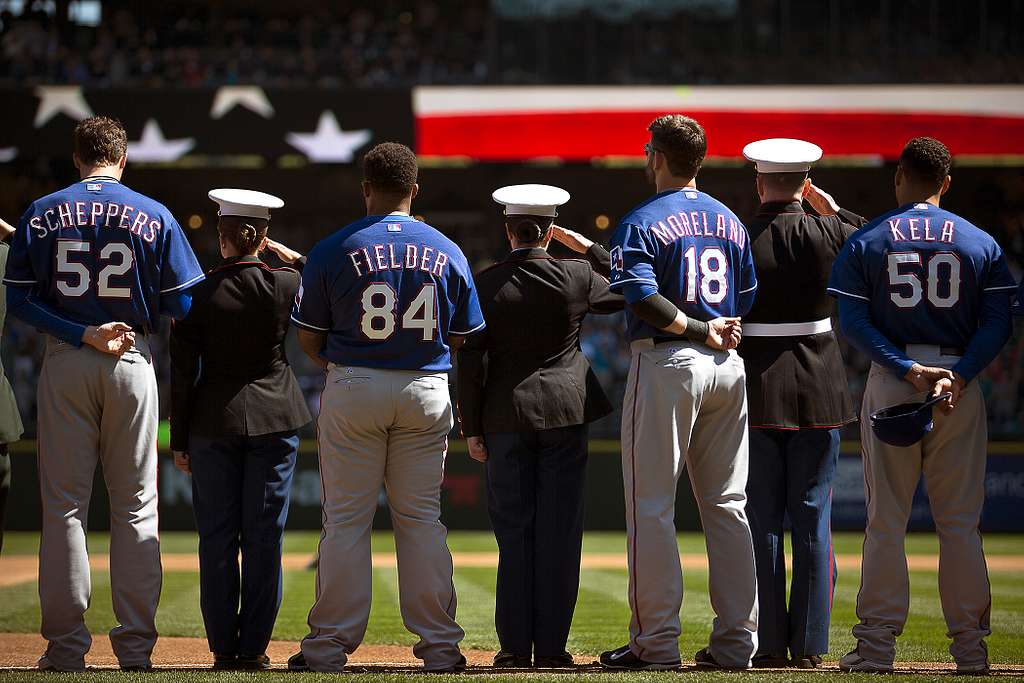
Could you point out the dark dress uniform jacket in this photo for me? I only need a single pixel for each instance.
(230, 376)
(795, 382)
(534, 376)
(10, 419)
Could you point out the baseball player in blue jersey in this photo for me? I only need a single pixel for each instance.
(94, 266)
(381, 305)
(683, 261)
(926, 295)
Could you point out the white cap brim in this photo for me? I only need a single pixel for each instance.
(245, 203)
(531, 200)
(782, 155)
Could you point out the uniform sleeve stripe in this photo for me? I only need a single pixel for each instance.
(308, 326)
(839, 291)
(634, 279)
(1000, 289)
(9, 281)
(475, 329)
(194, 280)
(748, 289)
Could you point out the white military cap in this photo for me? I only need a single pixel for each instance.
(246, 203)
(782, 155)
(532, 200)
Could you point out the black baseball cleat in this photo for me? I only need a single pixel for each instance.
(224, 662)
(768, 661)
(562, 661)
(297, 662)
(704, 660)
(253, 662)
(806, 662)
(137, 667)
(456, 668)
(507, 660)
(624, 659)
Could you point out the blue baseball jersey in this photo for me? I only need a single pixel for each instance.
(97, 252)
(388, 290)
(923, 271)
(691, 249)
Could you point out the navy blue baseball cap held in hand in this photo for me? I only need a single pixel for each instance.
(907, 423)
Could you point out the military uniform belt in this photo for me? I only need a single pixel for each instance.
(786, 329)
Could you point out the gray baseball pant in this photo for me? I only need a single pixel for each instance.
(952, 458)
(686, 405)
(94, 407)
(385, 427)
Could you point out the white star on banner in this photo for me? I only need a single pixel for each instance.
(154, 147)
(8, 154)
(249, 96)
(60, 99)
(329, 143)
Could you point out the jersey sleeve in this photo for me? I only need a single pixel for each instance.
(20, 272)
(179, 268)
(467, 317)
(632, 258)
(998, 277)
(312, 309)
(847, 277)
(748, 281)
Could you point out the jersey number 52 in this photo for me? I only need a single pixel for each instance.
(74, 278)
(904, 270)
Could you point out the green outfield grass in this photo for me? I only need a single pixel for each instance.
(602, 615)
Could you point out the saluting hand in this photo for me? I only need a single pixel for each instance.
(821, 201)
(183, 461)
(6, 229)
(571, 239)
(477, 448)
(113, 338)
(286, 254)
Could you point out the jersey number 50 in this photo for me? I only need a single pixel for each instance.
(74, 277)
(936, 264)
(379, 317)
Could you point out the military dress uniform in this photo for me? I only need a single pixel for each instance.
(236, 408)
(525, 386)
(797, 399)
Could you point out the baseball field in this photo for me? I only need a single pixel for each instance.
(602, 614)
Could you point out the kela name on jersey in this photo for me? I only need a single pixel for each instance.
(697, 224)
(378, 257)
(68, 215)
(905, 229)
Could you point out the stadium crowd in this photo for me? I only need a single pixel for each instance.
(358, 43)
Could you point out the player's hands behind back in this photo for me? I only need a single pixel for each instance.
(477, 448)
(724, 333)
(113, 338)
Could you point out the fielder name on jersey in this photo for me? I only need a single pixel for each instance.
(690, 248)
(388, 290)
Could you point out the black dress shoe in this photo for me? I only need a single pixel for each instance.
(623, 658)
(704, 660)
(562, 661)
(253, 662)
(767, 661)
(297, 662)
(456, 668)
(507, 660)
(806, 662)
(224, 662)
(137, 667)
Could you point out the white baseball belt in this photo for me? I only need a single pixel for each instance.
(786, 329)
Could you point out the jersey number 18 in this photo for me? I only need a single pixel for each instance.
(940, 267)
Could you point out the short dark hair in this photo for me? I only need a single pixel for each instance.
(390, 167)
(926, 160)
(681, 139)
(528, 229)
(100, 140)
(785, 182)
